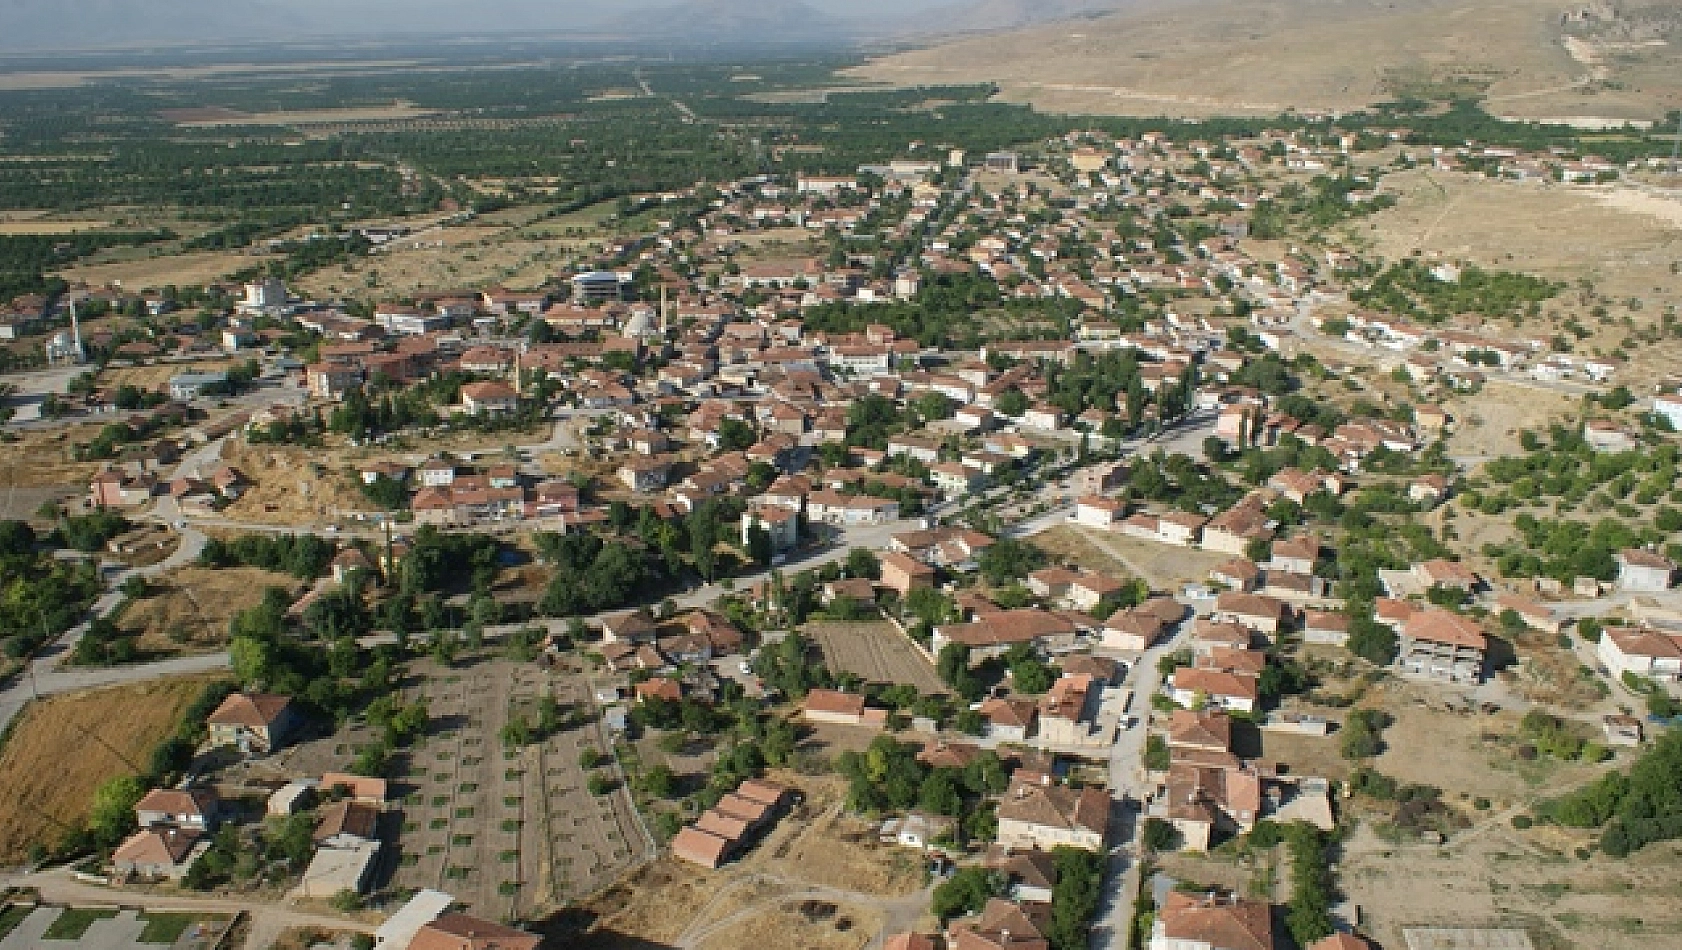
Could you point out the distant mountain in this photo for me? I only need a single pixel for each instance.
(986, 16)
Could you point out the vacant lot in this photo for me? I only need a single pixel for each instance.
(1493, 874)
(817, 874)
(292, 486)
(63, 747)
(188, 609)
(156, 377)
(878, 652)
(1163, 566)
(46, 460)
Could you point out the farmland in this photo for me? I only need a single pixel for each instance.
(877, 652)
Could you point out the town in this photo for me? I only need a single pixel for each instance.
(1028, 549)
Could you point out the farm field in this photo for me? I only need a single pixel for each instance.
(478, 818)
(48, 789)
(878, 652)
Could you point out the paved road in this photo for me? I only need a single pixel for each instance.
(268, 920)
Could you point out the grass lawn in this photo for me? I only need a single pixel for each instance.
(75, 921)
(12, 916)
(165, 927)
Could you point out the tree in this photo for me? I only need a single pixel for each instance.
(759, 547)
(516, 733)
(1372, 641)
(112, 816)
(1157, 757)
(1011, 402)
(966, 892)
(1008, 560)
(1159, 835)
(1360, 736)
(862, 562)
(658, 782)
(734, 435)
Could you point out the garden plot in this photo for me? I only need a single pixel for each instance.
(508, 827)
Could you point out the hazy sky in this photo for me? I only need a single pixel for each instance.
(60, 24)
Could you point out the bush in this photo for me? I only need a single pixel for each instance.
(1522, 822)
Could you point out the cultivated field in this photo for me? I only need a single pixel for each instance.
(878, 652)
(188, 609)
(509, 833)
(63, 747)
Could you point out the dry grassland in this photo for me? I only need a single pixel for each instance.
(649, 908)
(51, 763)
(816, 925)
(15, 225)
(195, 605)
(1223, 57)
(190, 269)
(1488, 423)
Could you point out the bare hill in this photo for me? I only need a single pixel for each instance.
(1529, 58)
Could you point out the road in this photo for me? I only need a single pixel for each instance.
(1127, 785)
(268, 920)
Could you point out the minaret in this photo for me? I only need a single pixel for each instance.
(662, 310)
(76, 334)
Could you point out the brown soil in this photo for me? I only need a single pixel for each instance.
(876, 651)
(301, 489)
(63, 747)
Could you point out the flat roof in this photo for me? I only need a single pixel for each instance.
(422, 909)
